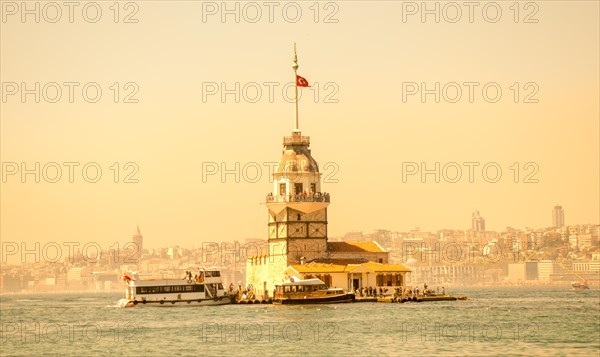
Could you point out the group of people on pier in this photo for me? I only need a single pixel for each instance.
(416, 292)
(398, 292)
(370, 291)
(246, 293)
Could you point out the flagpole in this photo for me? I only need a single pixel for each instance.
(295, 67)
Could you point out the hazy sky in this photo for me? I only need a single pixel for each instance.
(365, 115)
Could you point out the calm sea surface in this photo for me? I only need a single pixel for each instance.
(493, 322)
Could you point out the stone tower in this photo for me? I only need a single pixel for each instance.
(297, 206)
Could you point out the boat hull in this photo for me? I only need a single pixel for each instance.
(174, 303)
(338, 299)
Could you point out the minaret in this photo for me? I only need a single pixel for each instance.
(138, 241)
(297, 206)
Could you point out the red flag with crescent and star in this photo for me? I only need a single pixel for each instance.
(301, 82)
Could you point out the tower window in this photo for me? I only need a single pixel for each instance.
(298, 188)
(313, 187)
(282, 189)
(299, 217)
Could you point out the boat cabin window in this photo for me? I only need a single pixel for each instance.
(300, 289)
(287, 289)
(293, 288)
(213, 274)
(169, 289)
(326, 278)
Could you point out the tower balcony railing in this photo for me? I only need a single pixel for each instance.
(296, 140)
(305, 197)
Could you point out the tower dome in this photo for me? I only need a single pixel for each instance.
(296, 156)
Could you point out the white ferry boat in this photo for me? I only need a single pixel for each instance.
(206, 288)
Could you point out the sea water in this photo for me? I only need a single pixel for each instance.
(492, 322)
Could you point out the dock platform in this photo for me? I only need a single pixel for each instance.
(386, 299)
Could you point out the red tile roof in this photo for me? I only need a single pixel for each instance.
(314, 267)
(355, 247)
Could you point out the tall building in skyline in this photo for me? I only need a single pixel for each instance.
(558, 216)
(477, 222)
(138, 241)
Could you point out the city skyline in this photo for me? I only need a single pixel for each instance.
(452, 256)
(136, 245)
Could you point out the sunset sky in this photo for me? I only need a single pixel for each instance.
(362, 135)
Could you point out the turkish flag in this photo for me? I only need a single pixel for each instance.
(301, 82)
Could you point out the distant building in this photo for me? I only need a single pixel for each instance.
(138, 241)
(516, 272)
(477, 222)
(545, 269)
(74, 274)
(584, 241)
(587, 266)
(11, 282)
(558, 217)
(531, 270)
